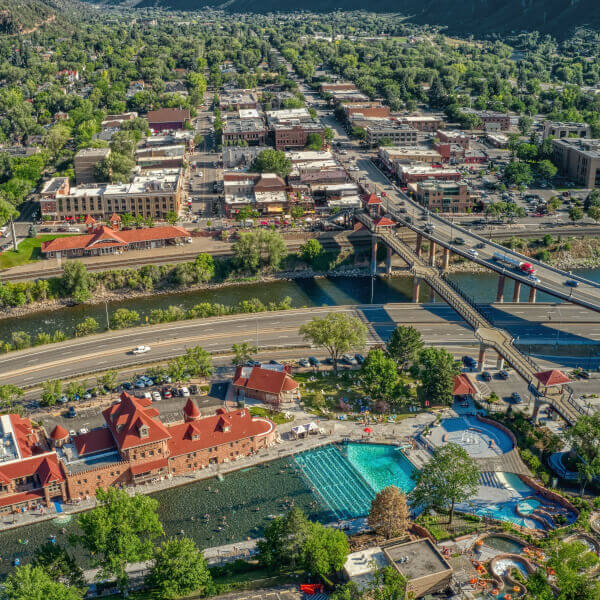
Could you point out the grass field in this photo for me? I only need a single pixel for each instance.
(277, 417)
(27, 252)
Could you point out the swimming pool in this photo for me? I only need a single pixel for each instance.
(347, 477)
(526, 507)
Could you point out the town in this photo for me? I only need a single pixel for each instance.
(297, 306)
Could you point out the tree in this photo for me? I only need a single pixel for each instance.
(242, 353)
(526, 151)
(337, 333)
(311, 250)
(594, 213)
(88, 326)
(59, 564)
(272, 161)
(324, 550)
(437, 369)
(205, 267)
(387, 584)
(254, 249)
(9, 395)
(7, 211)
(525, 124)
(171, 217)
(546, 169)
(348, 591)
(583, 439)
(198, 362)
(179, 569)
(389, 514)
(314, 141)
(51, 392)
(328, 134)
(120, 530)
(451, 476)
(76, 281)
(283, 540)
(404, 344)
(518, 173)
(379, 375)
(123, 317)
(575, 213)
(34, 583)
(553, 204)
(246, 212)
(108, 379)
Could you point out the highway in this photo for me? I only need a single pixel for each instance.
(439, 324)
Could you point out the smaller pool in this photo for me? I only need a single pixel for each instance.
(503, 566)
(503, 544)
(526, 507)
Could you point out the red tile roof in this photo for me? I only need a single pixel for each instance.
(190, 409)
(125, 418)
(463, 386)
(384, 222)
(106, 237)
(46, 466)
(26, 436)
(168, 115)
(267, 380)
(22, 497)
(59, 433)
(552, 377)
(373, 199)
(211, 433)
(94, 441)
(149, 466)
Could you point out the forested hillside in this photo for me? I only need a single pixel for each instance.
(558, 17)
(23, 16)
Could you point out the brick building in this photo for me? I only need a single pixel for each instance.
(367, 109)
(564, 130)
(85, 162)
(445, 197)
(268, 385)
(411, 173)
(252, 131)
(492, 120)
(290, 128)
(422, 122)
(399, 134)
(578, 159)
(168, 118)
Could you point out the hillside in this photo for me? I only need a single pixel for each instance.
(559, 17)
(25, 16)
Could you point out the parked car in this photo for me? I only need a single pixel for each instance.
(156, 397)
(359, 358)
(516, 398)
(63, 400)
(349, 359)
(184, 392)
(139, 384)
(314, 361)
(503, 374)
(469, 362)
(486, 376)
(584, 375)
(303, 362)
(71, 413)
(194, 389)
(83, 430)
(127, 385)
(87, 395)
(166, 392)
(141, 350)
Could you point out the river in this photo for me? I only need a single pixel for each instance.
(304, 292)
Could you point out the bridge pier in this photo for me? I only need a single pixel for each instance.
(517, 291)
(537, 404)
(500, 362)
(481, 362)
(431, 294)
(374, 256)
(532, 294)
(432, 253)
(419, 247)
(446, 261)
(416, 289)
(500, 294)
(388, 261)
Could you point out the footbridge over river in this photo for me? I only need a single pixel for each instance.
(489, 336)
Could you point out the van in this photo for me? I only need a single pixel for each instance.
(73, 229)
(141, 394)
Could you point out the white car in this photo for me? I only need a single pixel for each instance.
(156, 397)
(533, 278)
(184, 392)
(83, 430)
(141, 350)
(472, 252)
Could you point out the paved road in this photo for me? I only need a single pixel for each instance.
(439, 324)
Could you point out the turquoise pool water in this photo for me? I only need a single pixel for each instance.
(347, 477)
(528, 506)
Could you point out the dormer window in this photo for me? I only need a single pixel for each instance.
(143, 431)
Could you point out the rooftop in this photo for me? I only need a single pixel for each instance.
(244, 126)
(423, 559)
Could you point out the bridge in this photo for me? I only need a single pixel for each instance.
(489, 336)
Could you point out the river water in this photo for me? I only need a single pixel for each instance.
(304, 292)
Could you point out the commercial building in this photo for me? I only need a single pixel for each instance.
(238, 99)
(290, 128)
(399, 134)
(413, 172)
(268, 383)
(578, 159)
(115, 121)
(454, 137)
(492, 120)
(240, 156)
(168, 118)
(102, 240)
(366, 110)
(252, 131)
(152, 194)
(264, 192)
(392, 155)
(450, 197)
(564, 130)
(85, 162)
(421, 122)
(450, 153)
(160, 157)
(340, 86)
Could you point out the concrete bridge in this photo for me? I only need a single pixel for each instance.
(489, 336)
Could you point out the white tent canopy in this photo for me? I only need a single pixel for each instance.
(312, 426)
(299, 429)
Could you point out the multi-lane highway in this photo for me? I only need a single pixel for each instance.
(439, 324)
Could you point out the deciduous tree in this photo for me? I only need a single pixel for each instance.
(389, 514)
(404, 344)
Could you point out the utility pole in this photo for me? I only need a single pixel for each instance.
(13, 234)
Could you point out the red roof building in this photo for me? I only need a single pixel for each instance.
(105, 240)
(267, 385)
(463, 386)
(552, 378)
(384, 222)
(168, 118)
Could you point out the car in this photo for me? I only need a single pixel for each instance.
(503, 374)
(303, 362)
(469, 361)
(156, 397)
(83, 430)
(472, 252)
(141, 350)
(63, 400)
(166, 392)
(252, 363)
(127, 385)
(71, 413)
(516, 398)
(360, 359)
(87, 395)
(480, 245)
(572, 283)
(314, 361)
(184, 392)
(72, 433)
(486, 376)
(139, 384)
(194, 389)
(349, 359)
(459, 241)
(175, 392)
(533, 278)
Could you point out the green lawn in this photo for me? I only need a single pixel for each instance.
(28, 251)
(277, 417)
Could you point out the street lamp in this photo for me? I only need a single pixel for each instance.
(106, 310)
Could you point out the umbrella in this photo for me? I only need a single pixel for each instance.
(368, 430)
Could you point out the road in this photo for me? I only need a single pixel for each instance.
(438, 323)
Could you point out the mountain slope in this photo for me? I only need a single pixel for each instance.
(25, 16)
(461, 16)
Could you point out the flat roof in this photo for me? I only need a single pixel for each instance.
(365, 561)
(423, 559)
